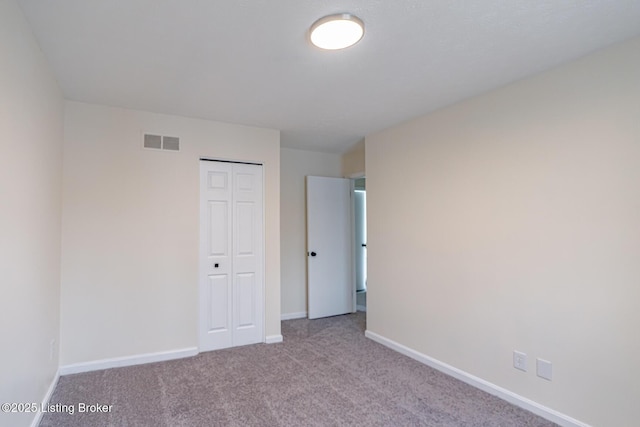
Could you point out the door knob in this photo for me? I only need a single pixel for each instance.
(216, 265)
(313, 254)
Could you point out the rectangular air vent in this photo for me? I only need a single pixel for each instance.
(152, 141)
(158, 142)
(170, 143)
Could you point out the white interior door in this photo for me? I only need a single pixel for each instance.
(329, 255)
(231, 258)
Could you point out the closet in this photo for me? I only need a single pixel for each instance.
(231, 254)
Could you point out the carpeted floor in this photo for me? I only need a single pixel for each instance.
(325, 373)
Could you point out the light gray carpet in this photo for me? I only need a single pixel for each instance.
(326, 373)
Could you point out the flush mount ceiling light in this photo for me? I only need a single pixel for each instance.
(336, 31)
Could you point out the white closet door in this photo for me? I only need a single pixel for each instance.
(248, 270)
(231, 257)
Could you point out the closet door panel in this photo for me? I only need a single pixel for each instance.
(231, 255)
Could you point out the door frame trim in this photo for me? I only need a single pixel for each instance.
(205, 159)
(352, 179)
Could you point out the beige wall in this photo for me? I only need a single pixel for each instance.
(512, 221)
(353, 161)
(31, 120)
(295, 165)
(131, 229)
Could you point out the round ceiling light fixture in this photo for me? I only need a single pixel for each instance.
(336, 31)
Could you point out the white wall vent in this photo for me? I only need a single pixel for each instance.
(159, 142)
(152, 141)
(170, 143)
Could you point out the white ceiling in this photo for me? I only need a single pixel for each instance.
(249, 61)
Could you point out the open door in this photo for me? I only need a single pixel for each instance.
(329, 253)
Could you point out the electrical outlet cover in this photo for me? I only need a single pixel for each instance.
(520, 360)
(543, 369)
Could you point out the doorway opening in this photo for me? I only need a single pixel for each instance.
(360, 241)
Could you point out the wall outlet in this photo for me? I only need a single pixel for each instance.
(543, 369)
(52, 351)
(520, 360)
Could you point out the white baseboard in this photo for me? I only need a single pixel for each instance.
(290, 316)
(118, 362)
(46, 398)
(361, 308)
(502, 393)
(272, 339)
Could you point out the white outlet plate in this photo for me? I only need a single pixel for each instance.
(520, 360)
(543, 369)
